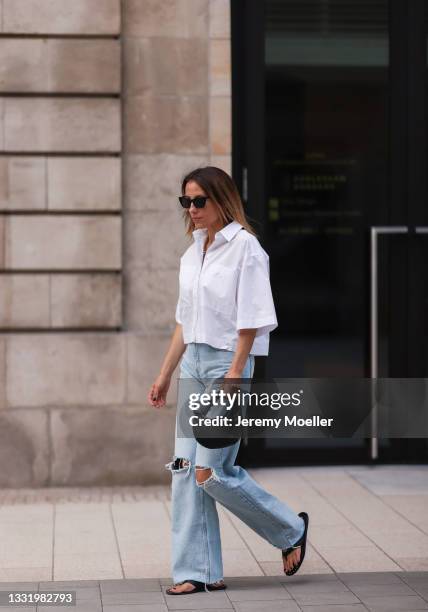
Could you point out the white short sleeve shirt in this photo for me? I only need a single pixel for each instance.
(227, 290)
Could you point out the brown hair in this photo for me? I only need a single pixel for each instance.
(222, 191)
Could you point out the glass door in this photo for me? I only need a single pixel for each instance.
(328, 106)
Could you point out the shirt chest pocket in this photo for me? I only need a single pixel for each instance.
(218, 284)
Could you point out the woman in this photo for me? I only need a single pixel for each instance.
(224, 315)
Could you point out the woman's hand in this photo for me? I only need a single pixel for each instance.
(158, 391)
(232, 387)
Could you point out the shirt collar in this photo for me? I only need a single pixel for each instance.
(228, 231)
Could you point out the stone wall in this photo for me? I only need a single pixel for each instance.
(104, 105)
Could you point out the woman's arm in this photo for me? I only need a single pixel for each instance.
(159, 389)
(174, 353)
(243, 348)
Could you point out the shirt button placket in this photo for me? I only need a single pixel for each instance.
(195, 303)
(195, 307)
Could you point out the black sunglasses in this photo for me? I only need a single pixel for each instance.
(198, 201)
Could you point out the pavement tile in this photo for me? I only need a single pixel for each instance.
(413, 563)
(380, 590)
(370, 577)
(241, 561)
(251, 579)
(308, 579)
(69, 584)
(82, 593)
(15, 609)
(395, 603)
(331, 586)
(81, 606)
(334, 608)
(25, 574)
(358, 559)
(130, 585)
(77, 566)
(86, 593)
(312, 599)
(263, 592)
(417, 503)
(422, 575)
(135, 608)
(421, 590)
(391, 481)
(138, 566)
(22, 586)
(135, 597)
(337, 535)
(409, 545)
(287, 605)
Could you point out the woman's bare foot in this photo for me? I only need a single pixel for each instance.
(187, 587)
(292, 559)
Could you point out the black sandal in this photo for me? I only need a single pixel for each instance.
(199, 586)
(300, 544)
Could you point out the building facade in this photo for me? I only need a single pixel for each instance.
(317, 109)
(105, 105)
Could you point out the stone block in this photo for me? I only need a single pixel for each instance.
(86, 300)
(225, 163)
(24, 64)
(84, 183)
(62, 124)
(219, 18)
(146, 245)
(2, 372)
(22, 183)
(150, 300)
(126, 446)
(149, 18)
(153, 182)
(24, 448)
(62, 242)
(53, 17)
(173, 124)
(220, 125)
(166, 66)
(2, 241)
(55, 65)
(220, 68)
(65, 369)
(24, 300)
(2, 105)
(145, 357)
(90, 66)
(177, 18)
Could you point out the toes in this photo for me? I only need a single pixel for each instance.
(292, 560)
(296, 558)
(179, 588)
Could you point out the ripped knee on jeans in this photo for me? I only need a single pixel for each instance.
(205, 475)
(178, 464)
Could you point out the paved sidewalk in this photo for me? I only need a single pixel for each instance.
(352, 592)
(371, 520)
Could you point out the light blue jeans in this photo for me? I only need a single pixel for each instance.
(196, 544)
